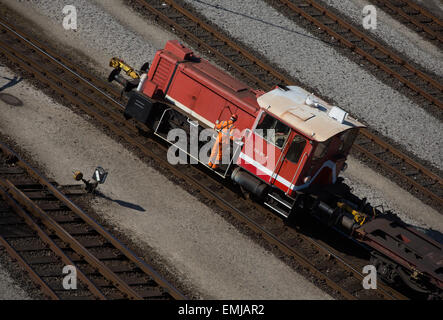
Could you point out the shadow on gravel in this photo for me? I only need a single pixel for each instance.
(9, 98)
(121, 202)
(434, 234)
(12, 82)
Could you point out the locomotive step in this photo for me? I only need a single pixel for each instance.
(283, 213)
(273, 202)
(283, 202)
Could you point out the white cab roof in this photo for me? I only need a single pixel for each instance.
(313, 117)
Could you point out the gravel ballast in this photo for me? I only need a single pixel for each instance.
(9, 289)
(392, 32)
(333, 76)
(99, 34)
(127, 24)
(433, 6)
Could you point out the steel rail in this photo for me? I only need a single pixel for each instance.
(372, 43)
(424, 12)
(398, 9)
(204, 45)
(91, 222)
(283, 79)
(402, 156)
(50, 243)
(61, 62)
(57, 78)
(407, 160)
(284, 247)
(201, 43)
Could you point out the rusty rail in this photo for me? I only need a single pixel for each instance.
(107, 91)
(51, 224)
(34, 276)
(352, 45)
(51, 244)
(398, 7)
(22, 204)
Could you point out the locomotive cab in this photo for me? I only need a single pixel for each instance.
(297, 141)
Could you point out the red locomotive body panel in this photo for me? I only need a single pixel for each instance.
(201, 89)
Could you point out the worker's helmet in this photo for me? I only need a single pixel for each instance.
(234, 117)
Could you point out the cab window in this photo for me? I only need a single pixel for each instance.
(321, 149)
(296, 149)
(272, 130)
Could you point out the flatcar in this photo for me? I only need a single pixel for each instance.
(289, 148)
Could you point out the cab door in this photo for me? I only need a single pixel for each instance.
(261, 152)
(259, 156)
(292, 164)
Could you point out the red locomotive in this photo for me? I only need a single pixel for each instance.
(291, 140)
(288, 145)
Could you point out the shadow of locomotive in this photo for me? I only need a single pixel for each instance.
(122, 203)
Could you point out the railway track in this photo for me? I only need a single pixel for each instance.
(361, 43)
(414, 16)
(44, 231)
(97, 99)
(412, 175)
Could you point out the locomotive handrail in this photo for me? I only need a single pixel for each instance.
(194, 123)
(160, 121)
(296, 171)
(189, 154)
(240, 145)
(279, 159)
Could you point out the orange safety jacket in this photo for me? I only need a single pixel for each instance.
(224, 128)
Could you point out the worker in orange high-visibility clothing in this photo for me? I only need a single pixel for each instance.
(224, 129)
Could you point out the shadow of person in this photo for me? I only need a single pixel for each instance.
(129, 205)
(12, 82)
(121, 202)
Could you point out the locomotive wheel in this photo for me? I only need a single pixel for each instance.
(411, 283)
(385, 268)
